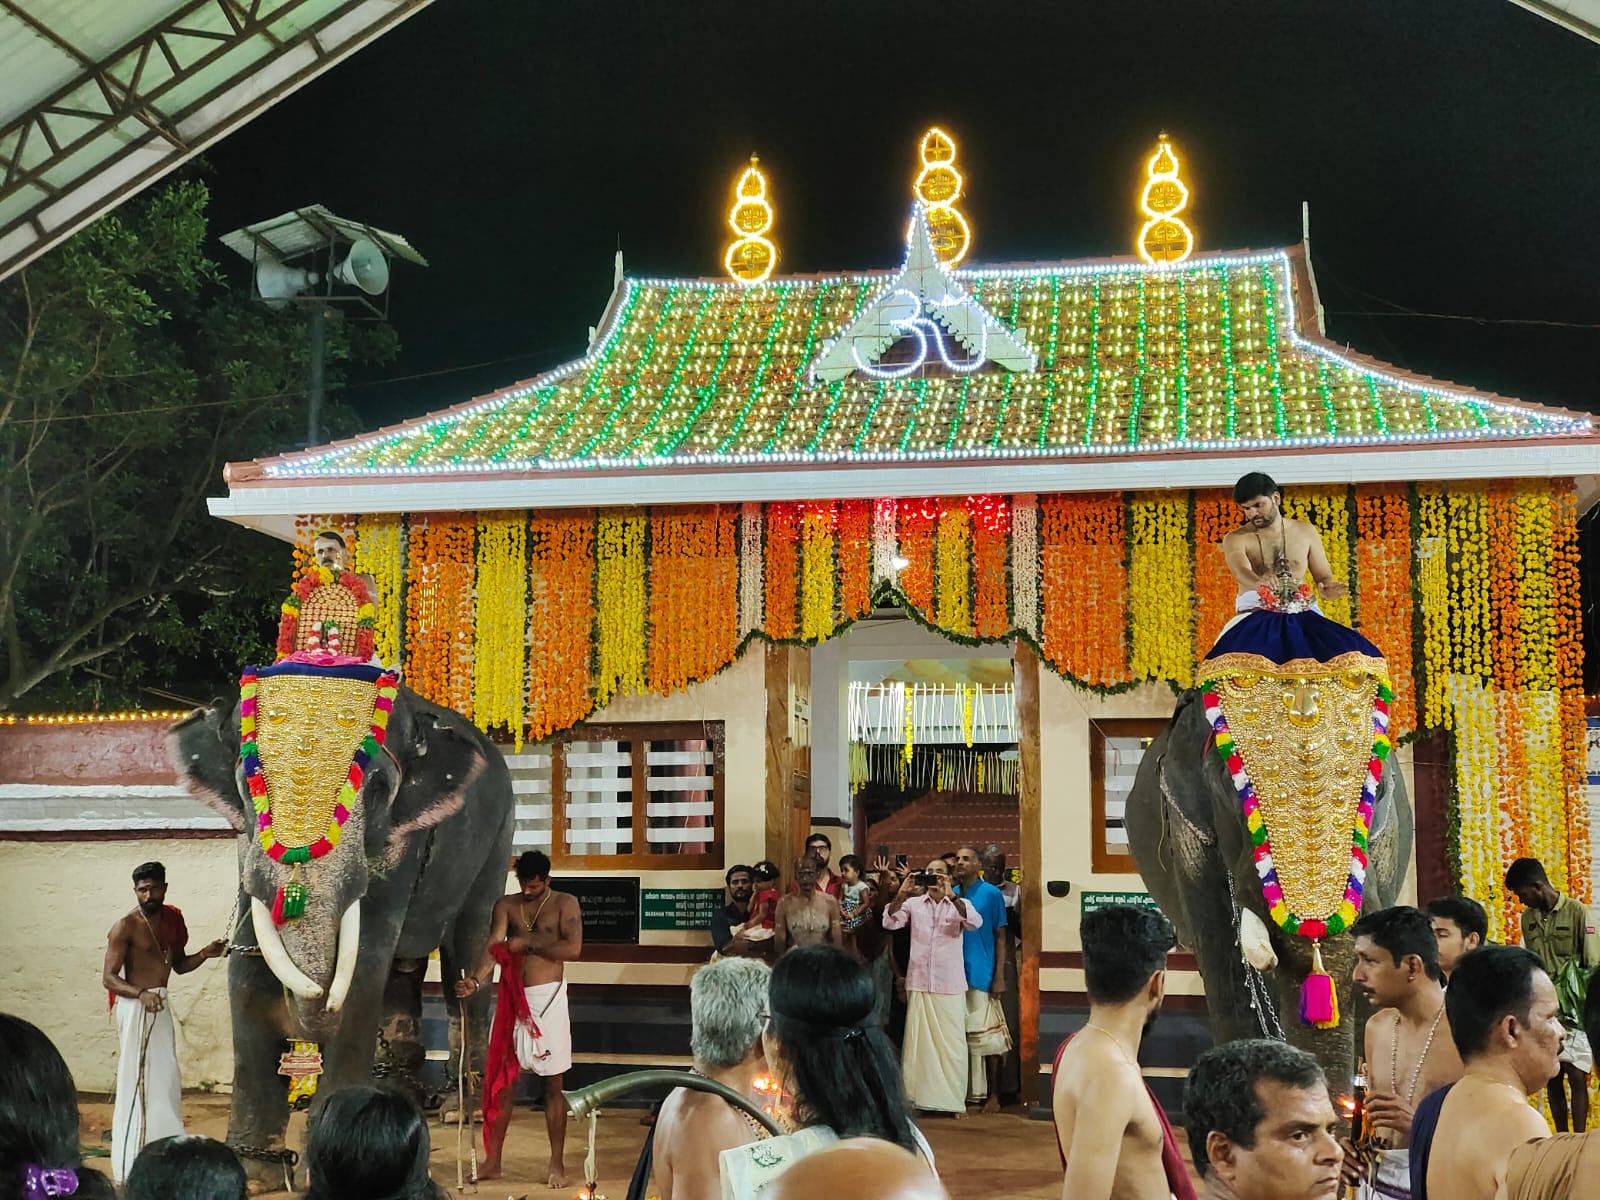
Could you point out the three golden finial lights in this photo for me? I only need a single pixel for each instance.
(1164, 236)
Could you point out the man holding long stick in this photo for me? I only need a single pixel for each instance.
(143, 949)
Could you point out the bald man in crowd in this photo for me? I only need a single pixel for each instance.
(858, 1167)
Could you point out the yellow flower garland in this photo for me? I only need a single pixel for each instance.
(620, 596)
(953, 587)
(817, 571)
(1160, 608)
(378, 555)
(501, 628)
(1433, 596)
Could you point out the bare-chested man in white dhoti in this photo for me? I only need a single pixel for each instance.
(1271, 552)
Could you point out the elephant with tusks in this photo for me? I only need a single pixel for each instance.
(1187, 834)
(421, 861)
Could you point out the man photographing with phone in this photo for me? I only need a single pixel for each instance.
(935, 1047)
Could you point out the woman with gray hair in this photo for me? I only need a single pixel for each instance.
(728, 1003)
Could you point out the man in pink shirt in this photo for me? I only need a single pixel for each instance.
(934, 1054)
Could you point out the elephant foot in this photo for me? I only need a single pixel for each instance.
(451, 1105)
(266, 1176)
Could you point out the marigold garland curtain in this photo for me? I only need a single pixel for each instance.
(1469, 589)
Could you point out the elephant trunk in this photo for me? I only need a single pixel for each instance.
(283, 965)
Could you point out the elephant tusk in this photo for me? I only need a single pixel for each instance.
(344, 969)
(277, 958)
(1255, 942)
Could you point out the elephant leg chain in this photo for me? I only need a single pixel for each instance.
(1260, 998)
(285, 1158)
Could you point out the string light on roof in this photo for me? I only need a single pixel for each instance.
(742, 398)
(751, 256)
(938, 186)
(1164, 238)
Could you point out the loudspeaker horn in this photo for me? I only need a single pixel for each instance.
(365, 267)
(277, 283)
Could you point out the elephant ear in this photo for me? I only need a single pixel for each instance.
(204, 748)
(441, 761)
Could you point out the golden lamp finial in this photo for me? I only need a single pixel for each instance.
(1164, 237)
(938, 186)
(751, 255)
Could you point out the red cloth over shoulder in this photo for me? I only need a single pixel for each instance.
(1178, 1181)
(501, 1068)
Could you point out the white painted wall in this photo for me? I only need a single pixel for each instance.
(63, 897)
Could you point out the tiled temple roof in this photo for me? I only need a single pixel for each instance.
(1218, 355)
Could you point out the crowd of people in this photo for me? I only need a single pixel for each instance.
(938, 943)
(873, 995)
(364, 1143)
(1461, 1036)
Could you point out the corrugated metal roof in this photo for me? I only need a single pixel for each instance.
(1580, 16)
(101, 99)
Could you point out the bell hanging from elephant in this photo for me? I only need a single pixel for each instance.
(374, 828)
(1266, 819)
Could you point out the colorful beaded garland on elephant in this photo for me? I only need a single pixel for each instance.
(1309, 893)
(306, 737)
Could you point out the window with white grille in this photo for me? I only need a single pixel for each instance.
(623, 795)
(1116, 747)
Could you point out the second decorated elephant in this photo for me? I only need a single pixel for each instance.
(1188, 835)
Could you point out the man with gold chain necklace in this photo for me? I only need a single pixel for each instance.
(143, 949)
(1269, 554)
(533, 934)
(1408, 1048)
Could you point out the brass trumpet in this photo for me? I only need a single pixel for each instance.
(585, 1100)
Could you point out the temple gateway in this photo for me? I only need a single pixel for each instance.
(922, 554)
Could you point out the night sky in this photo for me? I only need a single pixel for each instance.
(1446, 148)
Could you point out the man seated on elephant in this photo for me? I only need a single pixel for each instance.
(1111, 1131)
(1408, 1049)
(1269, 553)
(533, 933)
(1260, 1123)
(1505, 1020)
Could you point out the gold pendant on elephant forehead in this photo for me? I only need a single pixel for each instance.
(308, 729)
(1306, 743)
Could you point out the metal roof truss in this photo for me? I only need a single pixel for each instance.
(127, 117)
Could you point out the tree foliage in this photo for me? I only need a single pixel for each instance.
(129, 375)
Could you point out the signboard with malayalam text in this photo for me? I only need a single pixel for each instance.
(679, 908)
(1094, 900)
(610, 905)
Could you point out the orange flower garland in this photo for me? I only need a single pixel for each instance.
(694, 572)
(991, 591)
(1083, 551)
(855, 559)
(781, 578)
(1384, 590)
(439, 610)
(1215, 516)
(919, 519)
(561, 624)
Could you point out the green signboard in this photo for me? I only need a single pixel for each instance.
(1094, 900)
(679, 908)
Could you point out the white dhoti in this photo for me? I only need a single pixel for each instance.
(934, 1054)
(1576, 1051)
(1391, 1177)
(550, 1051)
(149, 1096)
